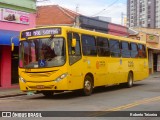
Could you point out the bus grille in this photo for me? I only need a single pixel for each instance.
(37, 74)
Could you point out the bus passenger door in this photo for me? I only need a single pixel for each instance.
(75, 62)
(115, 61)
(122, 70)
(115, 70)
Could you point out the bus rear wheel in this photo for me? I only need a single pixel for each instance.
(130, 80)
(88, 86)
(48, 93)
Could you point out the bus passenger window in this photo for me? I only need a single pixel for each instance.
(134, 50)
(114, 48)
(89, 45)
(141, 51)
(103, 47)
(125, 50)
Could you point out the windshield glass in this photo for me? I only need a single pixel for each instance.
(45, 52)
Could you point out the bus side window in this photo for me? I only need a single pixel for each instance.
(89, 45)
(141, 51)
(114, 48)
(125, 50)
(134, 50)
(74, 52)
(103, 46)
(69, 38)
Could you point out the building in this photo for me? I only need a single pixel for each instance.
(106, 19)
(57, 15)
(15, 15)
(143, 13)
(152, 38)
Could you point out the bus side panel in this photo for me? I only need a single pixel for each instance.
(76, 75)
(88, 65)
(102, 74)
(114, 68)
(124, 70)
(141, 69)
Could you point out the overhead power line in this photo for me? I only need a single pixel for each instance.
(41, 0)
(106, 8)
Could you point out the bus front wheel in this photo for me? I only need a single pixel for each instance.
(130, 80)
(48, 93)
(88, 86)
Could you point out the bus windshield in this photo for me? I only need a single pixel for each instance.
(42, 53)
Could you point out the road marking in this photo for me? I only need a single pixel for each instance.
(136, 103)
(130, 105)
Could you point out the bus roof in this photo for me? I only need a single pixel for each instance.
(90, 32)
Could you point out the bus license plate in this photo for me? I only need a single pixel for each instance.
(40, 86)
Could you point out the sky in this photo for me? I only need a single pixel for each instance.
(92, 8)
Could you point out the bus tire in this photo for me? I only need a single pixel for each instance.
(48, 93)
(88, 86)
(130, 80)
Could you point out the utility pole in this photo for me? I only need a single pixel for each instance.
(122, 18)
(77, 8)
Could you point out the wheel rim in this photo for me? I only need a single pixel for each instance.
(87, 86)
(130, 82)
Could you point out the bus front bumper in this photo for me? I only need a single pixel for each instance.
(52, 85)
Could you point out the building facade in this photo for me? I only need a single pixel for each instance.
(15, 15)
(106, 19)
(143, 13)
(152, 38)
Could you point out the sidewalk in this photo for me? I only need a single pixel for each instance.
(9, 92)
(155, 75)
(16, 91)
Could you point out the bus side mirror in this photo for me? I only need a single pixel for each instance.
(12, 46)
(74, 42)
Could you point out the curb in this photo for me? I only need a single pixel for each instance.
(12, 95)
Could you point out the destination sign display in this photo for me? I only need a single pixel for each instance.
(41, 32)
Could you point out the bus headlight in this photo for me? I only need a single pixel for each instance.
(22, 79)
(61, 77)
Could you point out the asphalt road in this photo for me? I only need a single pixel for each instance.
(143, 96)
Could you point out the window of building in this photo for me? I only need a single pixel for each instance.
(143, 9)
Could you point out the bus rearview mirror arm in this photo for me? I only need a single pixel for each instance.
(12, 43)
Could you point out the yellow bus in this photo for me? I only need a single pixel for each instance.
(63, 58)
